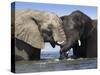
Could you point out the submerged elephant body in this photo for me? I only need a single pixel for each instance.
(81, 34)
(33, 28)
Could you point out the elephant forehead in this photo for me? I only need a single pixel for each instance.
(52, 18)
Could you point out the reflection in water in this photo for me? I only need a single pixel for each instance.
(49, 55)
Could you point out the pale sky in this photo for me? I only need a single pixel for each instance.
(59, 9)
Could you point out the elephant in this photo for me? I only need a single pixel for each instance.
(89, 48)
(81, 33)
(32, 28)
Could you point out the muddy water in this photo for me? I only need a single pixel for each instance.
(55, 65)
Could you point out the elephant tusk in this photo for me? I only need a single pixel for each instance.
(60, 42)
(67, 52)
(79, 42)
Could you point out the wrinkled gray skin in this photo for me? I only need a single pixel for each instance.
(77, 26)
(33, 28)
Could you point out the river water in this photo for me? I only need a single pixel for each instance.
(50, 62)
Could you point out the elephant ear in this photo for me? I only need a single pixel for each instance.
(29, 33)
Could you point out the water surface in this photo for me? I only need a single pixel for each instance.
(45, 65)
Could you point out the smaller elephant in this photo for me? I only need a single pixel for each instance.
(32, 28)
(89, 48)
(79, 29)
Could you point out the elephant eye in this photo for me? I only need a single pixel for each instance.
(47, 32)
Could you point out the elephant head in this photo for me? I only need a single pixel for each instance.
(77, 27)
(36, 27)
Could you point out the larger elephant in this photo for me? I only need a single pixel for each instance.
(79, 29)
(33, 28)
